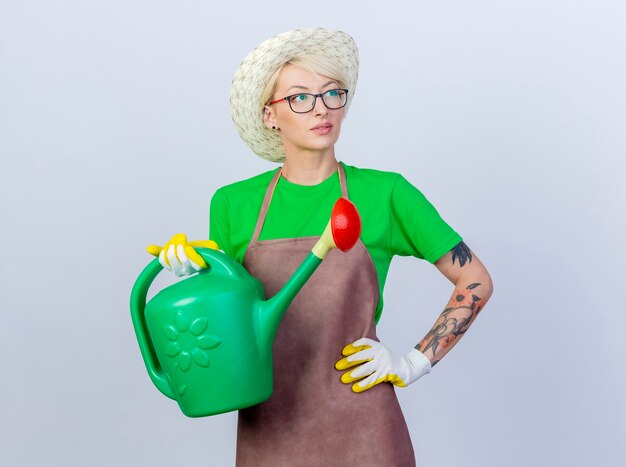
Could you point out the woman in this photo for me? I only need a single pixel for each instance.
(288, 100)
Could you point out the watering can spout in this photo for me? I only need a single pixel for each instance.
(342, 232)
(270, 312)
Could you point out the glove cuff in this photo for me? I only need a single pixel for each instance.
(420, 365)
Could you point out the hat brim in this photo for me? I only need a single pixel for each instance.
(259, 65)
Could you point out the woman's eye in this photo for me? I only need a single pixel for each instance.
(333, 93)
(299, 98)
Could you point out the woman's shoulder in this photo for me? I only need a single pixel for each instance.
(252, 186)
(371, 179)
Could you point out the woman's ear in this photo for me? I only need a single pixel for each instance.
(269, 118)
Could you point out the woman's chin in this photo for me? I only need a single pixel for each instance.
(322, 142)
(317, 146)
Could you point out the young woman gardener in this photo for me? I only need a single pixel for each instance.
(288, 100)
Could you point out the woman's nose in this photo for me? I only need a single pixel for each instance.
(320, 108)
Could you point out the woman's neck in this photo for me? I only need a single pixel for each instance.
(309, 169)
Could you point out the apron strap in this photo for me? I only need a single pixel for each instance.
(265, 206)
(342, 181)
(270, 192)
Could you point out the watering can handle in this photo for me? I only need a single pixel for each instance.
(137, 311)
(217, 263)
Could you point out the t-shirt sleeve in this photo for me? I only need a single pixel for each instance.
(415, 226)
(219, 226)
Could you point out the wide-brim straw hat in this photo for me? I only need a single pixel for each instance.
(259, 65)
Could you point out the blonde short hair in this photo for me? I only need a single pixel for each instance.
(315, 63)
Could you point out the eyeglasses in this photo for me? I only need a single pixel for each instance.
(305, 102)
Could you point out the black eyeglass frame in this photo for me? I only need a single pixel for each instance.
(315, 96)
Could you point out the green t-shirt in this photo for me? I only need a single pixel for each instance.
(396, 218)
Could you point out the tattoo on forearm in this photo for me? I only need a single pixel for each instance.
(453, 321)
(462, 253)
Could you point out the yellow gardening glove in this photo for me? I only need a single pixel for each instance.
(178, 255)
(375, 364)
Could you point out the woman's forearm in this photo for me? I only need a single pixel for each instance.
(468, 299)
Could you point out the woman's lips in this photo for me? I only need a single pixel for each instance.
(322, 129)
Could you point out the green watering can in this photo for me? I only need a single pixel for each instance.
(207, 340)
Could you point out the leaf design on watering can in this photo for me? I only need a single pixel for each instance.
(189, 343)
(198, 326)
(172, 349)
(184, 360)
(181, 389)
(200, 357)
(182, 324)
(208, 342)
(171, 332)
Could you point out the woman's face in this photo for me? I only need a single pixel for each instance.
(317, 130)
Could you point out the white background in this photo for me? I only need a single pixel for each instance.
(115, 131)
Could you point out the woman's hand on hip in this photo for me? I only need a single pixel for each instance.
(375, 363)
